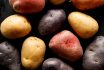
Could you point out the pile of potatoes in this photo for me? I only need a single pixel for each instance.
(55, 41)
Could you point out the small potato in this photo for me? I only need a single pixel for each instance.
(32, 53)
(55, 64)
(87, 4)
(15, 26)
(66, 45)
(9, 56)
(51, 21)
(84, 25)
(57, 2)
(93, 58)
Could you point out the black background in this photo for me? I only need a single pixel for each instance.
(98, 14)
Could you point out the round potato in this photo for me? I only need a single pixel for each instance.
(15, 26)
(33, 51)
(84, 25)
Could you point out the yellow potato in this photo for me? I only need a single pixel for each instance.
(15, 26)
(57, 2)
(84, 25)
(32, 53)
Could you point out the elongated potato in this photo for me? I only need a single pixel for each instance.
(87, 4)
(84, 25)
(15, 26)
(33, 51)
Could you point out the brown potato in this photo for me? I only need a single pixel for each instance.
(15, 26)
(87, 4)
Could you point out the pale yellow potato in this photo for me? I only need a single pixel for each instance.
(32, 53)
(57, 2)
(15, 26)
(84, 25)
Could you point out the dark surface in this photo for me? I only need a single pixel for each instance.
(98, 14)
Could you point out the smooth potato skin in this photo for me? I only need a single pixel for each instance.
(32, 53)
(27, 6)
(84, 25)
(87, 4)
(57, 2)
(66, 45)
(93, 58)
(15, 26)
(55, 64)
(51, 21)
(9, 56)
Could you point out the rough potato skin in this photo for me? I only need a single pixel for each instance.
(55, 64)
(32, 53)
(51, 21)
(66, 45)
(27, 6)
(9, 56)
(87, 4)
(93, 58)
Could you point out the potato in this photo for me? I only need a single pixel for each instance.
(32, 53)
(66, 45)
(55, 64)
(27, 6)
(51, 21)
(57, 2)
(93, 58)
(9, 56)
(84, 25)
(87, 4)
(15, 26)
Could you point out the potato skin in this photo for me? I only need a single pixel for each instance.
(55, 64)
(32, 53)
(87, 4)
(66, 45)
(51, 21)
(9, 56)
(27, 6)
(57, 2)
(15, 26)
(84, 25)
(93, 58)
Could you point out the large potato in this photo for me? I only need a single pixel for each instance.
(55, 64)
(84, 25)
(93, 58)
(9, 56)
(51, 21)
(66, 45)
(27, 6)
(87, 4)
(32, 53)
(15, 26)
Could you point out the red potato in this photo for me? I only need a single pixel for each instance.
(87, 4)
(66, 45)
(27, 6)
